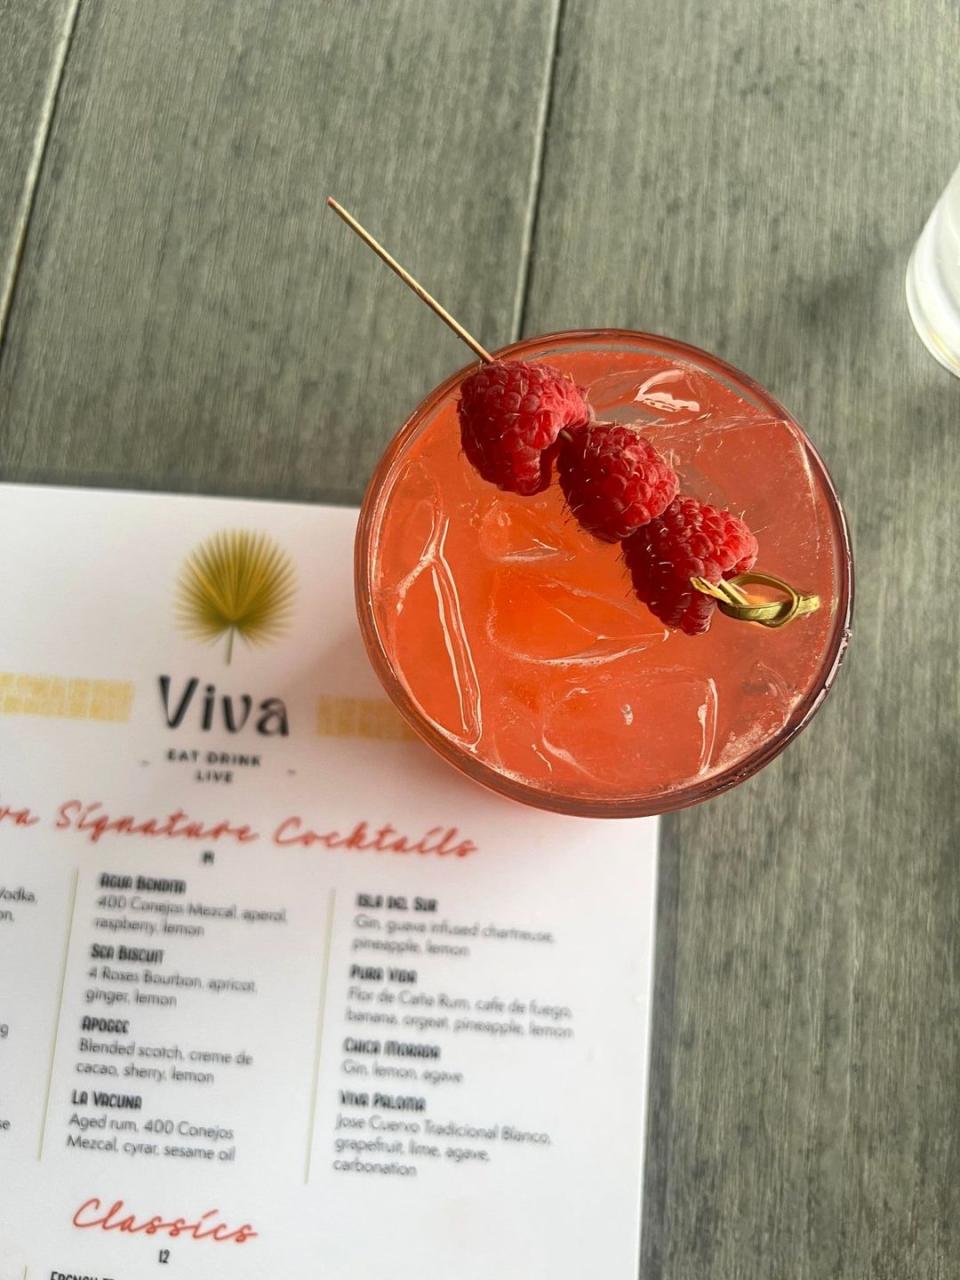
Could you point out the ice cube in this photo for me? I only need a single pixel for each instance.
(680, 392)
(510, 533)
(759, 468)
(447, 690)
(670, 391)
(614, 395)
(634, 732)
(662, 390)
(764, 705)
(545, 619)
(412, 537)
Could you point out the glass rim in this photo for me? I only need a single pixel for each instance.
(654, 803)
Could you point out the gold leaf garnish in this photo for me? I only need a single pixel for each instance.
(236, 583)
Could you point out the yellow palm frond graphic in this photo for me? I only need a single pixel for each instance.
(236, 583)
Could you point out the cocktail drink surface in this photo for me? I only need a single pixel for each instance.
(512, 640)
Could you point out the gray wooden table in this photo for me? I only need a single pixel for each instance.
(177, 311)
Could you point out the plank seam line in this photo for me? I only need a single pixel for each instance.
(41, 140)
(538, 162)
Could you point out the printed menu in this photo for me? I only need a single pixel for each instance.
(282, 993)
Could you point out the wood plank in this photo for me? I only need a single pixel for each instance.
(751, 179)
(35, 41)
(189, 315)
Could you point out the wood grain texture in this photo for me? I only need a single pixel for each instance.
(751, 178)
(748, 178)
(188, 314)
(33, 39)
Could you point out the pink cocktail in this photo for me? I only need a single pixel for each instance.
(511, 639)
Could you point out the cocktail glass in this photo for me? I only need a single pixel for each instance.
(510, 639)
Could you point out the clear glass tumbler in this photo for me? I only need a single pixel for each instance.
(933, 280)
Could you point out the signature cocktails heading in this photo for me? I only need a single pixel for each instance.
(94, 822)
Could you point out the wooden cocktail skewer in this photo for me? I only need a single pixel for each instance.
(409, 281)
(728, 594)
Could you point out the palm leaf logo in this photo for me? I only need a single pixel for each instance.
(237, 583)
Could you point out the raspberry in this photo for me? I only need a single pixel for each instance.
(690, 539)
(510, 413)
(614, 480)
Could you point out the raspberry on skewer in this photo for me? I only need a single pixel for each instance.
(511, 413)
(690, 540)
(614, 480)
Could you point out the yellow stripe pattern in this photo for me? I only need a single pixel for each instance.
(69, 698)
(360, 718)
